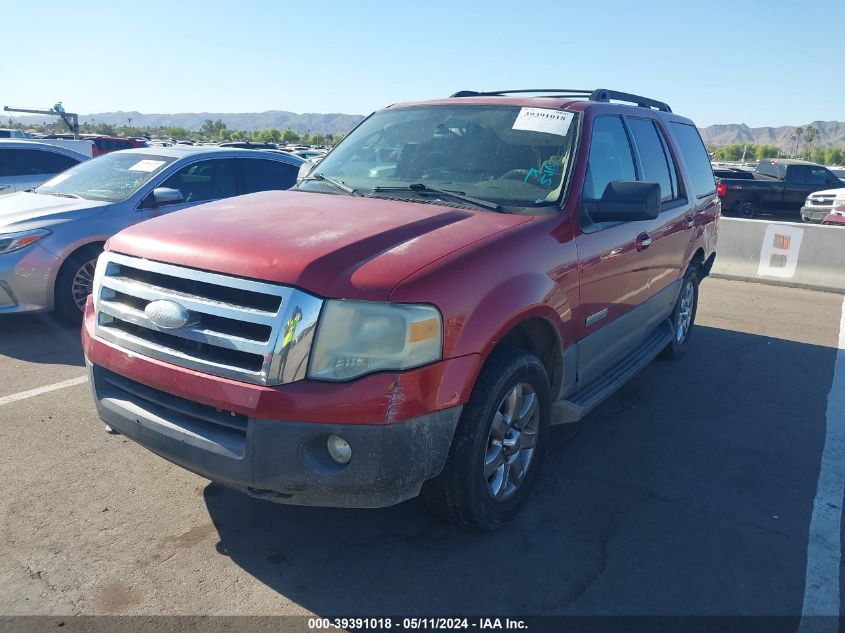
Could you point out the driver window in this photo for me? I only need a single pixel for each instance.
(610, 157)
(205, 180)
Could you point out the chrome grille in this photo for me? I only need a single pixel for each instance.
(825, 201)
(237, 328)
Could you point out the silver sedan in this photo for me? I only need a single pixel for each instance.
(51, 236)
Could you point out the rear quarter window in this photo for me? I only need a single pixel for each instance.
(267, 175)
(695, 156)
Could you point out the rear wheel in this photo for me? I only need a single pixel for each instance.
(75, 282)
(499, 444)
(747, 210)
(683, 316)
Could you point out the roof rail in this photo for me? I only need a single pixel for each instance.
(550, 92)
(601, 95)
(605, 95)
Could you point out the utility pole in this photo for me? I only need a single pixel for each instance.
(70, 119)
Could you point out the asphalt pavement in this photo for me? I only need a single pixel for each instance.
(690, 492)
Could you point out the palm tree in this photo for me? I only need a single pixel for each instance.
(797, 134)
(810, 135)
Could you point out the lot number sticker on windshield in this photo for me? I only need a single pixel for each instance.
(146, 165)
(543, 120)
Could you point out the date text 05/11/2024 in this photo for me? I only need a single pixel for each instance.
(417, 624)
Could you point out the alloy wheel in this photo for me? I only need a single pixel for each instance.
(684, 318)
(83, 284)
(511, 442)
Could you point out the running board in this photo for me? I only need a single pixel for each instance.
(585, 400)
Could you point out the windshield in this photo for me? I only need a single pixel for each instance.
(112, 177)
(512, 156)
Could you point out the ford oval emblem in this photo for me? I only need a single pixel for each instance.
(166, 314)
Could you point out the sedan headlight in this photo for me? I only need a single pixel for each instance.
(355, 338)
(15, 241)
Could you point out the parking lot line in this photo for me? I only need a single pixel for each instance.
(821, 585)
(31, 393)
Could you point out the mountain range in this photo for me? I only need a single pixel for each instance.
(830, 133)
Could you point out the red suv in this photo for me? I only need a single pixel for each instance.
(106, 144)
(453, 278)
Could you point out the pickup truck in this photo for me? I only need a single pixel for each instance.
(777, 185)
(453, 278)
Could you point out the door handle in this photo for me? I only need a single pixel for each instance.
(643, 241)
(690, 222)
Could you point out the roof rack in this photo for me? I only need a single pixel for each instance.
(601, 95)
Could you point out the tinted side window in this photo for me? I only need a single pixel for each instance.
(610, 157)
(696, 158)
(205, 180)
(797, 174)
(653, 160)
(266, 175)
(30, 162)
(819, 176)
(57, 163)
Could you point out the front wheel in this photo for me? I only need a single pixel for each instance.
(499, 444)
(683, 316)
(75, 282)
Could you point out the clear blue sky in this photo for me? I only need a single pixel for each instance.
(355, 56)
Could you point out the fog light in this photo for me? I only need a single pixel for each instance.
(339, 449)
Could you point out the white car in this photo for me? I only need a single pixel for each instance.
(26, 164)
(819, 204)
(8, 133)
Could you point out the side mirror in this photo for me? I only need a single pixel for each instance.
(163, 196)
(625, 201)
(304, 169)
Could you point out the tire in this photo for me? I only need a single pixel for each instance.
(512, 380)
(746, 210)
(683, 316)
(75, 275)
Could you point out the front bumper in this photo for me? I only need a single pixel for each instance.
(279, 460)
(814, 213)
(27, 278)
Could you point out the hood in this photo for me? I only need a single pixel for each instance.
(840, 193)
(23, 211)
(331, 245)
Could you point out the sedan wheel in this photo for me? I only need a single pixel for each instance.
(83, 284)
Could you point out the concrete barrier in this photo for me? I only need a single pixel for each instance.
(783, 253)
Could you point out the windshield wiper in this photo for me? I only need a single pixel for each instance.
(66, 195)
(422, 189)
(342, 186)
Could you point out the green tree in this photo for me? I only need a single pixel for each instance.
(290, 136)
(810, 135)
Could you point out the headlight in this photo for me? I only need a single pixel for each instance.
(15, 241)
(355, 338)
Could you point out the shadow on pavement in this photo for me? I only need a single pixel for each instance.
(40, 338)
(689, 492)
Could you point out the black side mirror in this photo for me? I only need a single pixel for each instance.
(625, 201)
